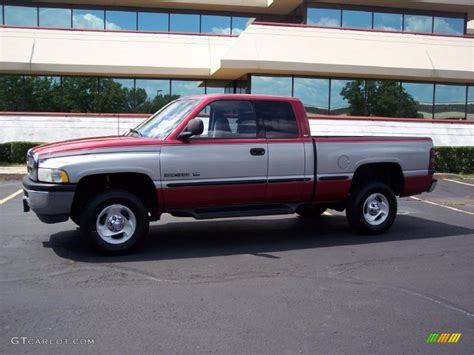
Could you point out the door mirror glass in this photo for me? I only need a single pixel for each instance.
(195, 127)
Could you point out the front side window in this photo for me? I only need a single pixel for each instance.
(161, 124)
(229, 119)
(278, 119)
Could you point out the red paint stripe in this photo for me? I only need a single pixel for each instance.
(386, 119)
(415, 185)
(285, 24)
(118, 31)
(332, 190)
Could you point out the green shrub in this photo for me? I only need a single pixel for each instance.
(15, 152)
(455, 160)
(5, 152)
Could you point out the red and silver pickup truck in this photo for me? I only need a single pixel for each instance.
(215, 156)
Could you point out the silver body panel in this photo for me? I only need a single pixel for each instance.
(50, 202)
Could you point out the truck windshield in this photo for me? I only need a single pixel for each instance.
(164, 121)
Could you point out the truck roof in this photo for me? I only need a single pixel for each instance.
(243, 97)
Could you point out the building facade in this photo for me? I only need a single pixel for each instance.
(73, 68)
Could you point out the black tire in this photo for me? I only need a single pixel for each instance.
(355, 209)
(310, 211)
(131, 209)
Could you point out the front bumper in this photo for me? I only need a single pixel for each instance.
(51, 202)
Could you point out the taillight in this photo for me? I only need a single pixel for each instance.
(431, 167)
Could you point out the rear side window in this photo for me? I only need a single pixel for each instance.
(278, 119)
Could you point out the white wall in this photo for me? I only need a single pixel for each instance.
(47, 128)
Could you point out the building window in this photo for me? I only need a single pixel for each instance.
(271, 85)
(88, 19)
(387, 21)
(422, 94)
(80, 94)
(314, 93)
(347, 97)
(239, 24)
(21, 16)
(121, 20)
(1, 14)
(152, 21)
(448, 25)
(54, 17)
(324, 17)
(470, 102)
(450, 101)
(187, 87)
(215, 24)
(356, 19)
(184, 23)
(418, 23)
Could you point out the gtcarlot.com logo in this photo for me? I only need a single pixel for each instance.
(444, 338)
(51, 341)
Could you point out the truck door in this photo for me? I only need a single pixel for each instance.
(288, 177)
(226, 165)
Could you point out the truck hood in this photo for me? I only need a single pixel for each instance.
(97, 144)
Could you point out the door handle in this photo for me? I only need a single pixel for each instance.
(257, 151)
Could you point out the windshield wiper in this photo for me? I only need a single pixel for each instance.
(135, 131)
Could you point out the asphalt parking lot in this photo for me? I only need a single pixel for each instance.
(250, 285)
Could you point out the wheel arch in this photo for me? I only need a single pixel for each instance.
(139, 184)
(389, 173)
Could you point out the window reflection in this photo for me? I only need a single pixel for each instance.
(152, 21)
(239, 24)
(150, 95)
(80, 94)
(219, 87)
(215, 24)
(42, 93)
(324, 17)
(450, 101)
(314, 93)
(418, 23)
(422, 94)
(271, 85)
(448, 25)
(387, 21)
(184, 23)
(470, 102)
(1, 14)
(187, 87)
(341, 91)
(121, 20)
(21, 16)
(88, 19)
(54, 17)
(356, 19)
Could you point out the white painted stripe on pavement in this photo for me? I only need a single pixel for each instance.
(440, 205)
(13, 195)
(459, 182)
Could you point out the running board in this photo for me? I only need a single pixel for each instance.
(236, 211)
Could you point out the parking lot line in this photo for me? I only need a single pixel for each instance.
(13, 195)
(459, 182)
(440, 205)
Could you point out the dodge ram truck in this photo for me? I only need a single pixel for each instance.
(216, 156)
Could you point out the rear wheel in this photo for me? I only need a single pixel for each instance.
(310, 211)
(371, 209)
(115, 222)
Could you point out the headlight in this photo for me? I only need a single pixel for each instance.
(52, 175)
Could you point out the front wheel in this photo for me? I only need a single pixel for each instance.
(115, 222)
(372, 209)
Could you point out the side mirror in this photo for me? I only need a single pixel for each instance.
(195, 127)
